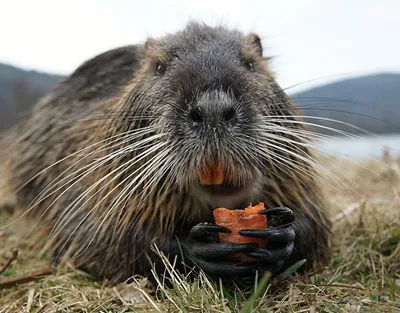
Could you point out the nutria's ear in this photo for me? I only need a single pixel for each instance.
(150, 43)
(255, 42)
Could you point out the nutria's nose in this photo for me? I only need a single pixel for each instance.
(213, 109)
(198, 117)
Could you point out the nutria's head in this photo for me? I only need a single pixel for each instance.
(217, 110)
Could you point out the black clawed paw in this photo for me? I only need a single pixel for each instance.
(206, 232)
(280, 236)
(279, 216)
(272, 235)
(276, 254)
(213, 257)
(226, 270)
(218, 250)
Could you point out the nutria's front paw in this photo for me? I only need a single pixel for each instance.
(280, 237)
(213, 257)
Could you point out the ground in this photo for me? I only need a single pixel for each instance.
(362, 275)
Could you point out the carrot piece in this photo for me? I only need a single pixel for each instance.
(254, 209)
(241, 219)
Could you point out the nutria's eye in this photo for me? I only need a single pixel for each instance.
(160, 69)
(249, 65)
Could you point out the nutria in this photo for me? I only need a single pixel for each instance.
(109, 162)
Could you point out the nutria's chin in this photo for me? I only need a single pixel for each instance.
(227, 196)
(110, 160)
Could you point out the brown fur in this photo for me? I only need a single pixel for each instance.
(103, 98)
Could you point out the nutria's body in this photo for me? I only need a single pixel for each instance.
(172, 105)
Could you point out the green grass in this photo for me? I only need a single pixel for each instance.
(362, 275)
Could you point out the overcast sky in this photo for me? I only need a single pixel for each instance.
(309, 38)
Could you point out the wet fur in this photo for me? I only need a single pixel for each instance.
(116, 92)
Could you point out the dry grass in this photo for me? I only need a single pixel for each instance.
(363, 274)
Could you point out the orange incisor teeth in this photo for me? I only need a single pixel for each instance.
(212, 174)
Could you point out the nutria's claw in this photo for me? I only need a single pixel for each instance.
(217, 250)
(272, 235)
(280, 244)
(279, 216)
(228, 270)
(206, 232)
(272, 255)
(203, 242)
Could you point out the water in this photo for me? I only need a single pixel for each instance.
(364, 147)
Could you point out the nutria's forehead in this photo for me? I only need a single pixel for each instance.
(199, 37)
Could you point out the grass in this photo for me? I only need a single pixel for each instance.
(363, 274)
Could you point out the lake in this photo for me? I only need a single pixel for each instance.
(364, 147)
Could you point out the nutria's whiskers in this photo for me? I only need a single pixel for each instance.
(74, 177)
(111, 161)
(108, 178)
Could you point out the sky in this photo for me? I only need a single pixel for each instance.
(313, 42)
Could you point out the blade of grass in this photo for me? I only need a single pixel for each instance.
(259, 290)
(292, 269)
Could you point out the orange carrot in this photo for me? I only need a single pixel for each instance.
(241, 219)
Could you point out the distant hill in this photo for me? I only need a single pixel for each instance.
(19, 89)
(369, 102)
